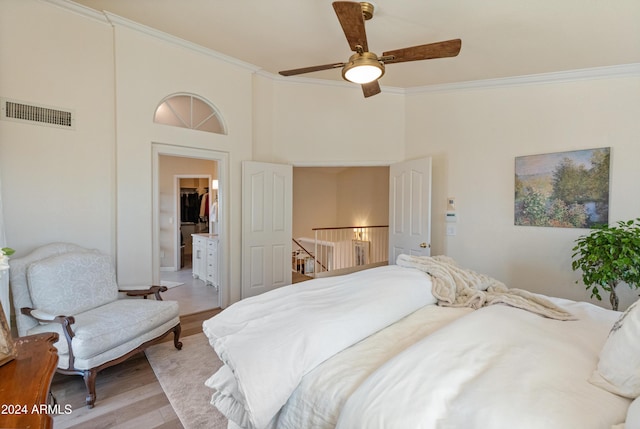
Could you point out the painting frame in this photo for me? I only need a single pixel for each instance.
(7, 344)
(567, 189)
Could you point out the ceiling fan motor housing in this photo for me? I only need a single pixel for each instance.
(367, 10)
(363, 67)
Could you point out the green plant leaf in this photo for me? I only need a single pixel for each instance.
(607, 256)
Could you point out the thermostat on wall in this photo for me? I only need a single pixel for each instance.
(451, 203)
(451, 216)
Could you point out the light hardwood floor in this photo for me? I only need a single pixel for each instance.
(129, 394)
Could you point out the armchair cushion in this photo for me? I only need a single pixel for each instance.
(107, 327)
(72, 283)
(18, 273)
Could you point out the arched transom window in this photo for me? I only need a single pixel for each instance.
(189, 111)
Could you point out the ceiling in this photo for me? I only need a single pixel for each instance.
(500, 38)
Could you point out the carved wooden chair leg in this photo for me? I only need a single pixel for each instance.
(176, 337)
(90, 381)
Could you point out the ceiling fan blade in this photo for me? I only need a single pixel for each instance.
(371, 88)
(449, 48)
(311, 69)
(352, 22)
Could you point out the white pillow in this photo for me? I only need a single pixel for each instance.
(633, 415)
(618, 369)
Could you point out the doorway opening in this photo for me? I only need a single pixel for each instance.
(329, 204)
(184, 194)
(193, 198)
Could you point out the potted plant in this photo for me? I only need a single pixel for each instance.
(607, 256)
(5, 252)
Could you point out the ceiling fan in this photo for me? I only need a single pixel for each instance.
(364, 67)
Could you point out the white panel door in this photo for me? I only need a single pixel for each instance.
(410, 208)
(267, 195)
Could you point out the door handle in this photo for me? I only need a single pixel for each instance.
(424, 245)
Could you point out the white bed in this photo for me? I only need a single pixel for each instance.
(373, 349)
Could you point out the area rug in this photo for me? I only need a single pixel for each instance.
(182, 374)
(170, 284)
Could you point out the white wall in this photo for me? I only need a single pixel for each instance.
(57, 185)
(474, 135)
(147, 70)
(363, 196)
(93, 186)
(328, 125)
(338, 197)
(314, 200)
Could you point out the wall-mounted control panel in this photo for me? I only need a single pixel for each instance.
(450, 216)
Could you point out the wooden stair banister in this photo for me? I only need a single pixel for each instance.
(309, 253)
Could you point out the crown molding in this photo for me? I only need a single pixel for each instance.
(79, 9)
(165, 37)
(623, 70)
(116, 20)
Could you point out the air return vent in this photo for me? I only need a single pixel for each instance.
(20, 111)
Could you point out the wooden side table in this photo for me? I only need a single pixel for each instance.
(25, 383)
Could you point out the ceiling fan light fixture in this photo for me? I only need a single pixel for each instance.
(363, 68)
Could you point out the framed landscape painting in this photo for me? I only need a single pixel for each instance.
(564, 189)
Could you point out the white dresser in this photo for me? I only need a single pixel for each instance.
(205, 258)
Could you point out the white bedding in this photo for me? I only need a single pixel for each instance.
(498, 367)
(317, 401)
(371, 350)
(313, 321)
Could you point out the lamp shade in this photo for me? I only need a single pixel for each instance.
(363, 68)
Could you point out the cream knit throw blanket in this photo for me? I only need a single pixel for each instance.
(457, 287)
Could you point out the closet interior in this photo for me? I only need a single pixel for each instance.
(195, 206)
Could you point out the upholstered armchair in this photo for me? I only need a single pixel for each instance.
(70, 290)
